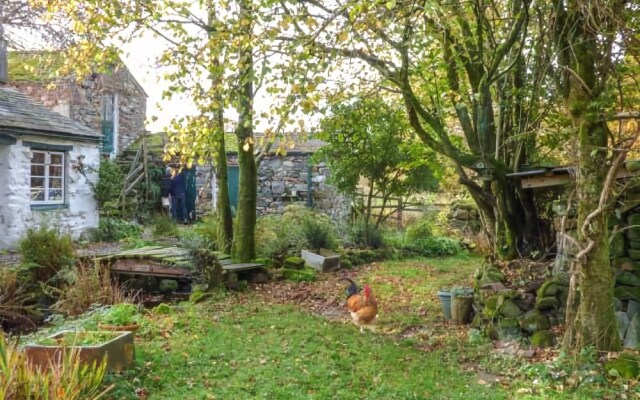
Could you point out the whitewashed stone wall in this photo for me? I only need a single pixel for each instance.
(80, 213)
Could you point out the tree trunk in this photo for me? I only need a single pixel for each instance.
(244, 248)
(223, 206)
(594, 322)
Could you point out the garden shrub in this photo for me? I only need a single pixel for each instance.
(278, 238)
(317, 228)
(421, 229)
(367, 235)
(206, 265)
(109, 185)
(48, 250)
(84, 286)
(435, 246)
(164, 226)
(112, 229)
(208, 229)
(17, 300)
(71, 379)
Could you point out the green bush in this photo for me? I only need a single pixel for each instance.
(278, 238)
(435, 246)
(421, 229)
(367, 235)
(48, 249)
(114, 229)
(164, 226)
(317, 228)
(109, 185)
(208, 229)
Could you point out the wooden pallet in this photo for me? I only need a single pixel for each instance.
(168, 262)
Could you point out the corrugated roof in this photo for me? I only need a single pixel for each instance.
(21, 114)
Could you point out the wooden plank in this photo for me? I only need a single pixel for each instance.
(544, 181)
(241, 267)
(147, 268)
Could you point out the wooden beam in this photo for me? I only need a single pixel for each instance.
(531, 182)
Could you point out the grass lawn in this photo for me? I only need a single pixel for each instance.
(275, 343)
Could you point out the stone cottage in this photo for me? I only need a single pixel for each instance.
(114, 104)
(41, 180)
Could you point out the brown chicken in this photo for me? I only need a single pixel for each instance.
(362, 306)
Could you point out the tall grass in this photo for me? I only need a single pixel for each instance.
(67, 378)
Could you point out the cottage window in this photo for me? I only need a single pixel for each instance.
(47, 177)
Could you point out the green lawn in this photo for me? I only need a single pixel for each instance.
(250, 346)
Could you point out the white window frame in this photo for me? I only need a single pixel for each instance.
(47, 177)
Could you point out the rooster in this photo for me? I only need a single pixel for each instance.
(363, 307)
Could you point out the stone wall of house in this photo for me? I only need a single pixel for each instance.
(83, 102)
(78, 215)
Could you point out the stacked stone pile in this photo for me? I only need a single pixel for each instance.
(464, 215)
(508, 314)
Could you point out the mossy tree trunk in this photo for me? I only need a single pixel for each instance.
(244, 248)
(224, 219)
(583, 54)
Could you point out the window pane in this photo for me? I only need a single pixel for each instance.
(37, 194)
(37, 170)
(37, 182)
(54, 170)
(55, 183)
(55, 195)
(37, 157)
(56, 159)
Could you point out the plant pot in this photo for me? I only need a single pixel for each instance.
(445, 301)
(461, 309)
(323, 262)
(118, 348)
(118, 328)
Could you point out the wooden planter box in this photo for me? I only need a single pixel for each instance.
(118, 349)
(323, 262)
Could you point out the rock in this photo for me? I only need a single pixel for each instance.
(633, 233)
(491, 306)
(548, 288)
(495, 286)
(303, 275)
(526, 301)
(543, 339)
(199, 287)
(632, 337)
(259, 278)
(491, 275)
(547, 303)
(624, 263)
(627, 293)
(627, 365)
(168, 286)
(634, 254)
(633, 308)
(623, 323)
(294, 262)
(508, 329)
(626, 278)
(534, 321)
(634, 244)
(509, 309)
(617, 304)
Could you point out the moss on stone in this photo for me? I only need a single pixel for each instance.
(550, 287)
(534, 321)
(543, 339)
(546, 303)
(302, 275)
(627, 365)
(626, 278)
(509, 309)
(627, 293)
(294, 262)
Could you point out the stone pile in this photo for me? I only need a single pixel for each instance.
(464, 215)
(508, 314)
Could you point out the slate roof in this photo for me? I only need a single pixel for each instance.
(20, 114)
